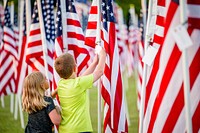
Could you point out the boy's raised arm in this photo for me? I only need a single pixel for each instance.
(97, 66)
(91, 67)
(98, 72)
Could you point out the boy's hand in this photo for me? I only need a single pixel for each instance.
(102, 53)
(98, 49)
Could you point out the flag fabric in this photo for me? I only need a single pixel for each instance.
(164, 109)
(22, 67)
(34, 53)
(59, 46)
(112, 92)
(8, 56)
(9, 36)
(75, 38)
(82, 10)
(91, 33)
(50, 35)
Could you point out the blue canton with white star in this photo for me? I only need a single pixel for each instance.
(58, 20)
(107, 13)
(7, 21)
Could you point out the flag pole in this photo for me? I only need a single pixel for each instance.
(144, 74)
(18, 95)
(2, 101)
(43, 35)
(20, 10)
(2, 96)
(4, 3)
(64, 25)
(28, 17)
(186, 76)
(12, 22)
(98, 41)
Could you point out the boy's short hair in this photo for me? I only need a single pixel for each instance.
(64, 65)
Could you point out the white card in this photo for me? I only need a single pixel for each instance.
(150, 54)
(182, 37)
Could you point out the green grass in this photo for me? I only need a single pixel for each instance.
(9, 125)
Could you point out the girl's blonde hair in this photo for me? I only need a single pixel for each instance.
(33, 93)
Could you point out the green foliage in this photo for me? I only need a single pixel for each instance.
(125, 5)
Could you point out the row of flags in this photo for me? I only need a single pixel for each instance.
(164, 105)
(53, 32)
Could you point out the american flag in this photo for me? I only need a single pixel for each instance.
(34, 52)
(164, 104)
(50, 35)
(112, 92)
(9, 36)
(59, 47)
(91, 33)
(8, 56)
(22, 68)
(75, 37)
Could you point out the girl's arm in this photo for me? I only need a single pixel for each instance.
(54, 93)
(55, 116)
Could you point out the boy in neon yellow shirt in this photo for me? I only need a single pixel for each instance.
(72, 92)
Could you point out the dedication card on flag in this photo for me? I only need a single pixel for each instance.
(150, 54)
(182, 37)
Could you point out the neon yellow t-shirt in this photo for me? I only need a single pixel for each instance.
(75, 104)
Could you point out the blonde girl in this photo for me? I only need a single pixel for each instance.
(42, 113)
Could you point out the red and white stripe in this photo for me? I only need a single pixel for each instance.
(112, 92)
(7, 69)
(34, 52)
(22, 67)
(76, 41)
(164, 104)
(9, 41)
(8, 56)
(91, 33)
